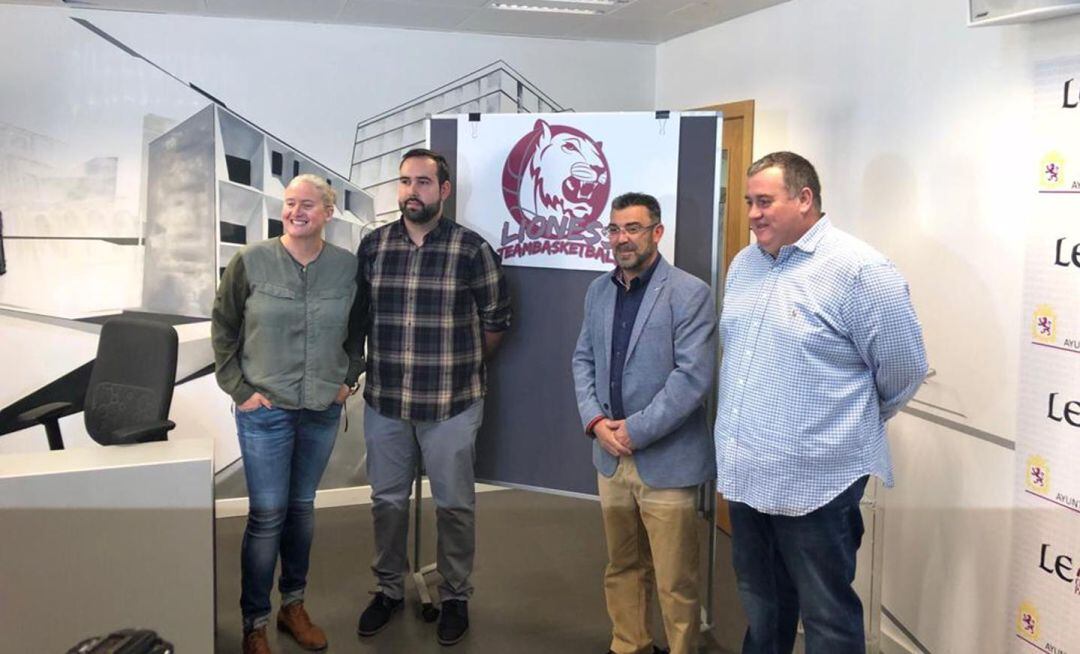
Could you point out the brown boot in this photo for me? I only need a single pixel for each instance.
(294, 620)
(255, 642)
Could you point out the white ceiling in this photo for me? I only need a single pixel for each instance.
(640, 21)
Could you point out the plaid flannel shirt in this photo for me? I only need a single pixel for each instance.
(426, 309)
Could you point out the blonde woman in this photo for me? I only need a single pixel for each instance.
(283, 352)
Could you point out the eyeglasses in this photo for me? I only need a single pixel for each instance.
(633, 229)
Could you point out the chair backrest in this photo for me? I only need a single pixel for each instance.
(133, 377)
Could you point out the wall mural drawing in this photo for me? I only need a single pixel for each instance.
(128, 197)
(126, 189)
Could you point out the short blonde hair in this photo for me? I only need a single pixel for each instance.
(320, 184)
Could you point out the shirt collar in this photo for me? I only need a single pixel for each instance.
(398, 229)
(808, 242)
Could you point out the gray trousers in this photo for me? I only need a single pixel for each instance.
(448, 450)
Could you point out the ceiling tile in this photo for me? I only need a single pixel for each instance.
(154, 6)
(528, 23)
(636, 31)
(676, 28)
(311, 10)
(711, 12)
(642, 21)
(652, 9)
(415, 15)
(474, 4)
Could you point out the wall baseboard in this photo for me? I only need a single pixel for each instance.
(235, 507)
(895, 642)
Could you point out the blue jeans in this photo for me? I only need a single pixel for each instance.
(787, 566)
(285, 452)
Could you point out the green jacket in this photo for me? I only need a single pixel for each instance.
(285, 330)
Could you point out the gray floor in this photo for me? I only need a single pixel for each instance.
(538, 571)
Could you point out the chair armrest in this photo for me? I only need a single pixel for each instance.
(138, 433)
(45, 412)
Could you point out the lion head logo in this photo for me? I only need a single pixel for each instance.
(556, 171)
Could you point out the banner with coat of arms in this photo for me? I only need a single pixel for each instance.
(538, 187)
(1045, 600)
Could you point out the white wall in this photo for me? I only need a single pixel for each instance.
(310, 84)
(921, 129)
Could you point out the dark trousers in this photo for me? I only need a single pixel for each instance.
(803, 565)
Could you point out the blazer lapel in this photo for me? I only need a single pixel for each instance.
(656, 284)
(605, 311)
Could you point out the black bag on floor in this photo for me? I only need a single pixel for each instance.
(125, 641)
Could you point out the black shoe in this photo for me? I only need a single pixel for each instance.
(655, 650)
(453, 621)
(377, 614)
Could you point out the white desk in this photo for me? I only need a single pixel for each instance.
(98, 539)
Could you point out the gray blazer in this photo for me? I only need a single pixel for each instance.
(670, 366)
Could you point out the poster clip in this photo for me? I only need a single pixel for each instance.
(662, 116)
(474, 122)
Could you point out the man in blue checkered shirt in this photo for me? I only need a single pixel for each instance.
(821, 347)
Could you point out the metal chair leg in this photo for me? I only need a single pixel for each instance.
(52, 432)
(428, 611)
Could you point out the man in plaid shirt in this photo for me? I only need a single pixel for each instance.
(437, 306)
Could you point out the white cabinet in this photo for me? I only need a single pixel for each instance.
(98, 539)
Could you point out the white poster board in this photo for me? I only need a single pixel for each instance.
(539, 187)
(1046, 541)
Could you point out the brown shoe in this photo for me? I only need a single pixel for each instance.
(294, 620)
(255, 642)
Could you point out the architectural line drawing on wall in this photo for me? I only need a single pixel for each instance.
(135, 246)
(214, 184)
(189, 183)
(382, 139)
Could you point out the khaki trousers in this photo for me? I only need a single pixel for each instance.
(652, 540)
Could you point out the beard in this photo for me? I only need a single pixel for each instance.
(422, 215)
(634, 263)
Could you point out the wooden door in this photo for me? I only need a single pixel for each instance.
(737, 155)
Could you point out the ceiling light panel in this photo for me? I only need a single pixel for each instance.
(575, 7)
(546, 9)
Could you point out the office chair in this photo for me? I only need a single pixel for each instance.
(130, 389)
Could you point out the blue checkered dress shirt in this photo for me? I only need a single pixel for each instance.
(821, 347)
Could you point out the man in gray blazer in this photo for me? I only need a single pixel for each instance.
(643, 365)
